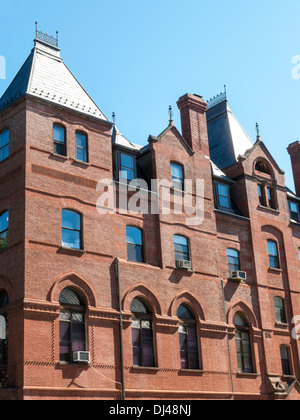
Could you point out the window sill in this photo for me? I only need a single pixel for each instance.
(269, 209)
(276, 270)
(62, 157)
(73, 250)
(73, 364)
(247, 375)
(192, 371)
(294, 222)
(147, 369)
(281, 324)
(80, 162)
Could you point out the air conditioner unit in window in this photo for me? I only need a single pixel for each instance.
(238, 275)
(184, 265)
(82, 357)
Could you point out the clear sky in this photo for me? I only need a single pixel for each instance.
(137, 57)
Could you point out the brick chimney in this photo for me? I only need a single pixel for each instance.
(193, 121)
(294, 151)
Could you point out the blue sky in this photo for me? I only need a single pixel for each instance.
(136, 57)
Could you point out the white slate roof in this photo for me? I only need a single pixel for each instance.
(119, 140)
(45, 76)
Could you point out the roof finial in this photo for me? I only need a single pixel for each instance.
(257, 132)
(36, 29)
(225, 91)
(171, 114)
(114, 118)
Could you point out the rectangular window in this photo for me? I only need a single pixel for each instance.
(273, 254)
(142, 343)
(134, 238)
(271, 201)
(81, 147)
(294, 211)
(181, 246)
(4, 145)
(222, 196)
(188, 341)
(126, 167)
(71, 229)
(261, 195)
(71, 334)
(285, 360)
(233, 258)
(177, 176)
(59, 140)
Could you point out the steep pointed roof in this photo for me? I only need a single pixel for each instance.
(227, 139)
(119, 140)
(44, 75)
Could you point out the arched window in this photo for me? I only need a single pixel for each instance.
(135, 249)
(71, 230)
(182, 248)
(4, 302)
(4, 145)
(273, 254)
(280, 310)
(243, 344)
(188, 339)
(285, 360)
(71, 324)
(4, 221)
(81, 146)
(261, 166)
(233, 258)
(59, 138)
(142, 334)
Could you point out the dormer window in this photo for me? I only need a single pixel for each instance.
(126, 167)
(177, 176)
(294, 211)
(222, 196)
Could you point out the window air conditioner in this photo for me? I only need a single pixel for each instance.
(238, 275)
(82, 357)
(185, 265)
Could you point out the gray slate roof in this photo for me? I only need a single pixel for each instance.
(45, 76)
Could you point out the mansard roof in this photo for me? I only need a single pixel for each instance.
(45, 76)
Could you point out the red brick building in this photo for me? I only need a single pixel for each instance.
(207, 310)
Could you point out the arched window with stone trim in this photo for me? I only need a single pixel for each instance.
(142, 334)
(72, 328)
(188, 338)
(243, 343)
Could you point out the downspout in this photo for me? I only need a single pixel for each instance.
(228, 343)
(121, 332)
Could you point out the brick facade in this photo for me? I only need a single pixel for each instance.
(37, 184)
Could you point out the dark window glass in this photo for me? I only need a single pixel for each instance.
(142, 335)
(71, 229)
(4, 302)
(60, 140)
(271, 197)
(294, 211)
(262, 167)
(280, 310)
(243, 344)
(177, 176)
(223, 196)
(4, 220)
(273, 254)
(233, 258)
(285, 360)
(134, 237)
(4, 145)
(188, 340)
(72, 325)
(181, 246)
(81, 147)
(261, 195)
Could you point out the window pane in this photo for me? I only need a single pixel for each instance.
(177, 170)
(81, 154)
(135, 253)
(71, 220)
(134, 235)
(4, 153)
(81, 140)
(4, 218)
(71, 239)
(272, 248)
(127, 161)
(185, 313)
(4, 138)
(59, 133)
